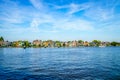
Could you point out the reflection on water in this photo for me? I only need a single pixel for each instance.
(90, 63)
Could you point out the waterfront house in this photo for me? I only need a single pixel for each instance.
(70, 43)
(50, 43)
(1, 43)
(20, 43)
(62, 44)
(86, 43)
(80, 43)
(45, 44)
(7, 43)
(92, 44)
(102, 44)
(37, 43)
(74, 43)
(15, 44)
(66, 44)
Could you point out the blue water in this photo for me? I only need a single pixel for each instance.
(87, 63)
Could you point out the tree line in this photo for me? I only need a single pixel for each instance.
(51, 43)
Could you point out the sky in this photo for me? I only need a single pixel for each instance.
(60, 20)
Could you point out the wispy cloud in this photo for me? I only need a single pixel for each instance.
(78, 7)
(102, 11)
(10, 14)
(99, 14)
(37, 4)
(73, 8)
(79, 25)
(34, 25)
(41, 17)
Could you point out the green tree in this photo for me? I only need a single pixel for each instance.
(58, 44)
(26, 43)
(96, 42)
(115, 43)
(80, 42)
(1, 38)
(64, 44)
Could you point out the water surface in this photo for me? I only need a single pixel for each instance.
(87, 63)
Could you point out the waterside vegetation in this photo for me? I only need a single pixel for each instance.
(51, 43)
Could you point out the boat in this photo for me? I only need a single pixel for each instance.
(24, 47)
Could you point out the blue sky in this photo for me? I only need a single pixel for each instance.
(60, 20)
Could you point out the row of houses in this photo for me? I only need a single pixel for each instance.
(5, 43)
(50, 43)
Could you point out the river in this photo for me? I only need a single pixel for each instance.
(84, 63)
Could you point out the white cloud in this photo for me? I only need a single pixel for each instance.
(99, 11)
(102, 10)
(35, 18)
(110, 26)
(37, 4)
(13, 17)
(10, 14)
(99, 14)
(78, 7)
(77, 24)
(73, 8)
(34, 25)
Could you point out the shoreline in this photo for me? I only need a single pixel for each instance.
(63, 47)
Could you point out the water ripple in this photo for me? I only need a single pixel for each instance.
(60, 64)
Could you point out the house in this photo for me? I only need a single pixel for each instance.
(66, 44)
(62, 44)
(1, 43)
(20, 43)
(92, 44)
(15, 44)
(7, 43)
(86, 43)
(70, 43)
(74, 43)
(37, 43)
(50, 43)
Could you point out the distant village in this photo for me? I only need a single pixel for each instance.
(58, 44)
